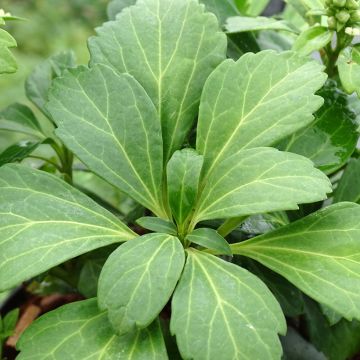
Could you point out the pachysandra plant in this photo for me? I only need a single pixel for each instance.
(153, 71)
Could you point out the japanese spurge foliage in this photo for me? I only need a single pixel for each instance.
(154, 70)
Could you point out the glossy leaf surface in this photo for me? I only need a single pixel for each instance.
(254, 102)
(80, 331)
(93, 109)
(260, 180)
(183, 174)
(319, 254)
(138, 279)
(170, 47)
(45, 221)
(210, 239)
(157, 225)
(218, 303)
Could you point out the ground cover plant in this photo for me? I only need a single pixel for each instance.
(230, 156)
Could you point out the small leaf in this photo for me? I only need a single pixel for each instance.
(9, 321)
(252, 7)
(157, 225)
(319, 254)
(183, 174)
(170, 47)
(45, 221)
(138, 279)
(7, 60)
(80, 331)
(260, 180)
(20, 118)
(210, 239)
(237, 24)
(220, 303)
(254, 102)
(92, 108)
(312, 39)
(116, 6)
(348, 188)
(17, 152)
(38, 83)
(349, 69)
(331, 139)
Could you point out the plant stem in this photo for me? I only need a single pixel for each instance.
(231, 224)
(46, 160)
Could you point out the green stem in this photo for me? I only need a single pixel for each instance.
(46, 160)
(230, 224)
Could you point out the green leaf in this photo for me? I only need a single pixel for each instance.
(45, 221)
(312, 39)
(116, 6)
(7, 60)
(17, 152)
(138, 279)
(209, 239)
(80, 331)
(304, 6)
(9, 322)
(331, 139)
(239, 24)
(170, 47)
(290, 298)
(274, 41)
(331, 315)
(349, 69)
(221, 8)
(337, 342)
(260, 180)
(183, 174)
(38, 83)
(157, 225)
(348, 188)
(319, 254)
(90, 271)
(92, 108)
(220, 303)
(252, 7)
(256, 101)
(20, 118)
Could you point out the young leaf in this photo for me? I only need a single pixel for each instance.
(38, 83)
(312, 39)
(170, 47)
(80, 331)
(319, 254)
(256, 101)
(220, 303)
(138, 279)
(183, 174)
(210, 239)
(116, 6)
(110, 123)
(17, 152)
(349, 69)
(237, 24)
(157, 225)
(331, 139)
(348, 188)
(20, 118)
(260, 180)
(9, 322)
(7, 59)
(45, 221)
(252, 7)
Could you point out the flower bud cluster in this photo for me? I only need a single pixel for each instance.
(342, 13)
